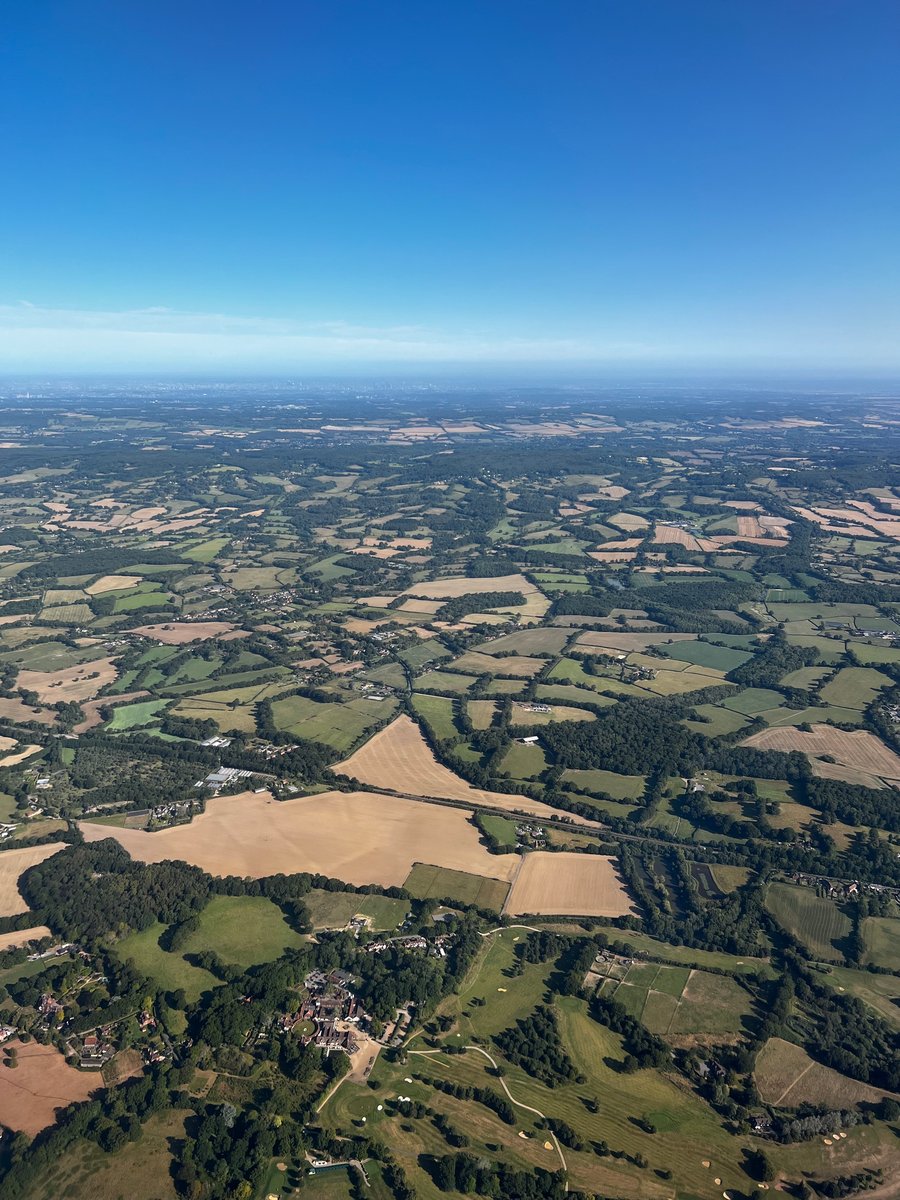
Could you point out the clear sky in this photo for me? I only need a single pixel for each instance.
(277, 185)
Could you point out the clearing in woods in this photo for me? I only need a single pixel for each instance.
(566, 884)
(399, 759)
(43, 1082)
(12, 864)
(786, 1076)
(360, 837)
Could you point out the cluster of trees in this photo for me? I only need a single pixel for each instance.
(497, 1103)
(468, 1175)
(642, 1048)
(633, 738)
(775, 659)
(461, 606)
(534, 1044)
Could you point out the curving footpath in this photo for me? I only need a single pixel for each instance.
(511, 1098)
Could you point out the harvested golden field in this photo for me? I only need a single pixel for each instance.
(672, 535)
(462, 585)
(565, 884)
(787, 1077)
(20, 936)
(358, 837)
(859, 749)
(17, 710)
(628, 521)
(12, 864)
(749, 527)
(17, 756)
(113, 583)
(31, 1093)
(178, 633)
(399, 759)
(77, 683)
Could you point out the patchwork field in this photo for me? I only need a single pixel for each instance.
(398, 758)
(359, 837)
(12, 864)
(567, 884)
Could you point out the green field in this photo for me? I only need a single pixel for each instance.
(882, 939)
(245, 930)
(437, 712)
(333, 910)
(438, 883)
(717, 720)
(131, 601)
(704, 654)
(446, 681)
(204, 552)
(67, 614)
(502, 828)
(813, 920)
(338, 725)
(619, 787)
(131, 716)
(523, 761)
(854, 687)
(167, 970)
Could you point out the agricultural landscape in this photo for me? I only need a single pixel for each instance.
(473, 794)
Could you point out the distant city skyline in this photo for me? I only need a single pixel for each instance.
(635, 186)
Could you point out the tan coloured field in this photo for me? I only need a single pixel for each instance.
(178, 633)
(613, 556)
(461, 585)
(19, 937)
(16, 710)
(79, 682)
(621, 544)
(621, 643)
(43, 1082)
(672, 535)
(113, 583)
(566, 884)
(359, 837)
(399, 759)
(628, 521)
(749, 527)
(12, 865)
(787, 1077)
(859, 749)
(12, 760)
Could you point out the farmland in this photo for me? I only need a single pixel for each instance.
(271, 651)
(583, 885)
(360, 837)
(42, 1083)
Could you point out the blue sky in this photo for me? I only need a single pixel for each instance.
(279, 186)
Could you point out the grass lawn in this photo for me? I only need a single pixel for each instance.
(753, 700)
(439, 883)
(168, 971)
(712, 720)
(705, 654)
(813, 920)
(242, 929)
